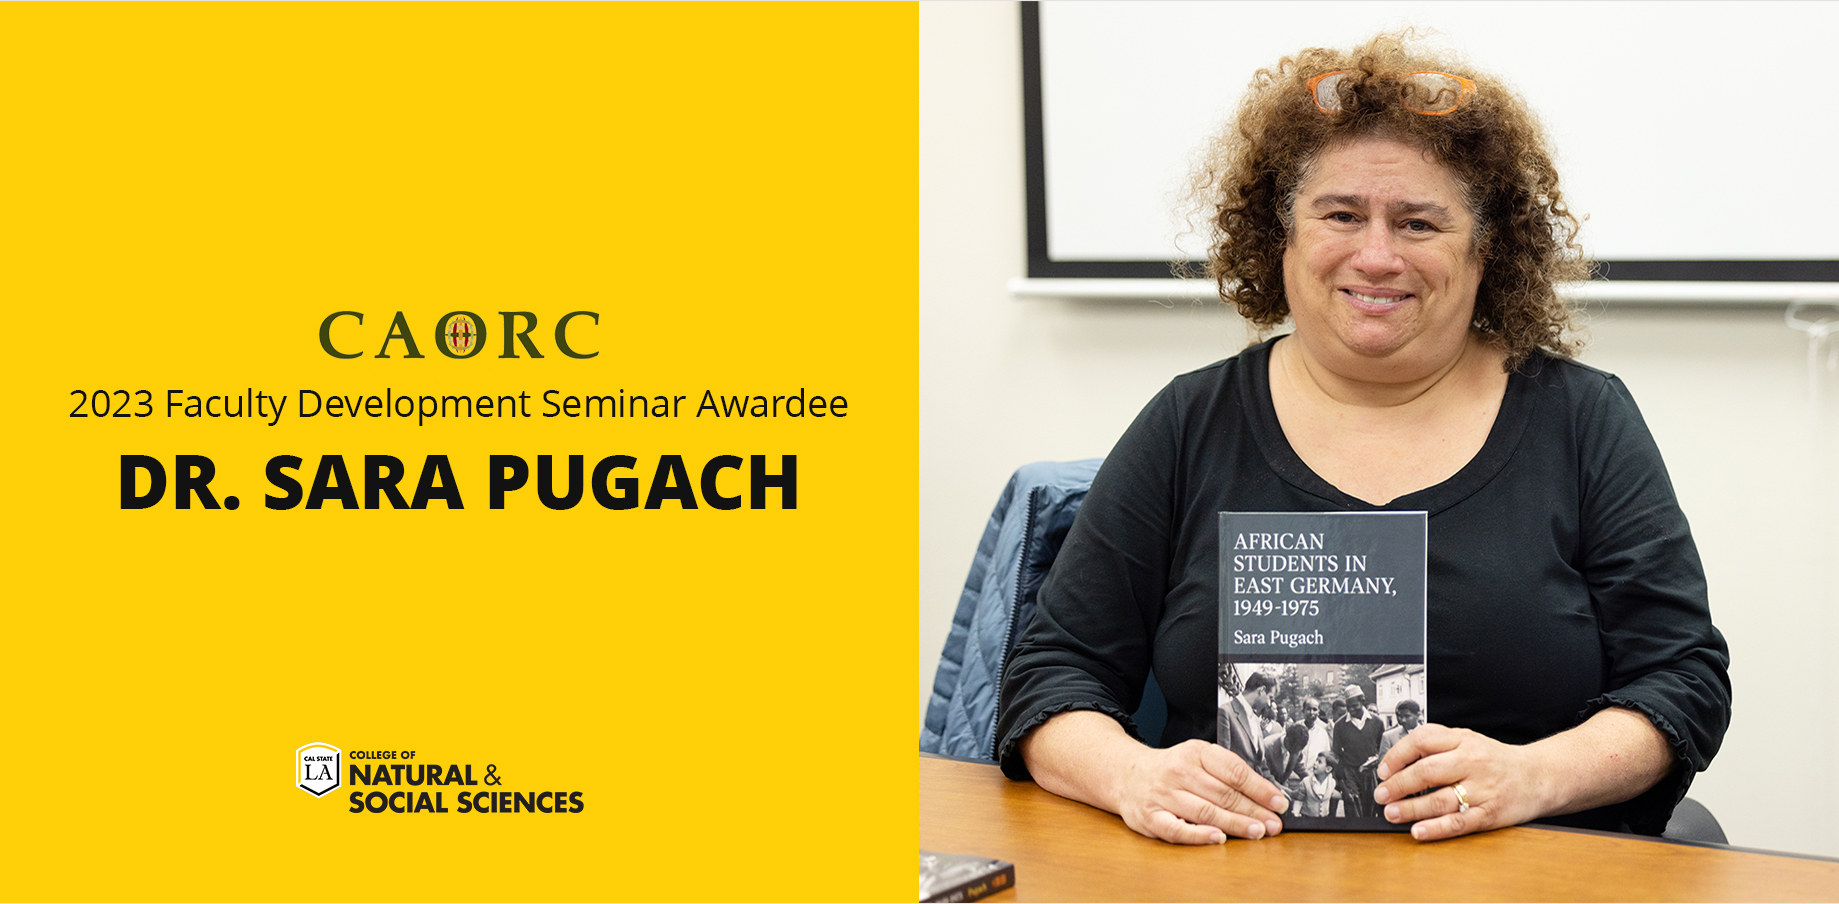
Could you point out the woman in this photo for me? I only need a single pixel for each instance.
(1406, 216)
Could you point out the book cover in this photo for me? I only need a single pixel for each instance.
(960, 877)
(1322, 653)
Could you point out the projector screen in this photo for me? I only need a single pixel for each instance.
(1699, 139)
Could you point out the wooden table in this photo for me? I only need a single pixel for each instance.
(1065, 851)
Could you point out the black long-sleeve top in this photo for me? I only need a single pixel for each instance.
(1563, 576)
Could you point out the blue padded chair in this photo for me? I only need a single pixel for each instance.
(1019, 544)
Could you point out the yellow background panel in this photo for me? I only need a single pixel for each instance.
(191, 190)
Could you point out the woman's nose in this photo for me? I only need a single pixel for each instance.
(1378, 251)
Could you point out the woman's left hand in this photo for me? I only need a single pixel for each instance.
(1500, 783)
(1616, 754)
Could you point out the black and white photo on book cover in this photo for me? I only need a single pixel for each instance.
(1322, 653)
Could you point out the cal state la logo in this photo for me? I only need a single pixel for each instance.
(317, 767)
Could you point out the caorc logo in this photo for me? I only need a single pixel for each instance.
(458, 334)
(316, 768)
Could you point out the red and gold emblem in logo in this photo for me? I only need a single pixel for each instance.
(461, 335)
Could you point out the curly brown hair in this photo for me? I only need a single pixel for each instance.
(1492, 144)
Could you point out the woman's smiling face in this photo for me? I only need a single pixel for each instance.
(1381, 270)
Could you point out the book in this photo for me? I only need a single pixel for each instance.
(960, 877)
(1319, 609)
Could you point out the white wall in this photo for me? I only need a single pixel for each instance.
(1726, 392)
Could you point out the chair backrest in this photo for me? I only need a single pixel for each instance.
(1019, 544)
(1693, 822)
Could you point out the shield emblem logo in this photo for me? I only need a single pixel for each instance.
(461, 335)
(317, 767)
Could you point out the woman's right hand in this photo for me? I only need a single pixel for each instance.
(1193, 793)
(1198, 793)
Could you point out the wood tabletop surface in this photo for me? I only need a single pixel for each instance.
(1066, 851)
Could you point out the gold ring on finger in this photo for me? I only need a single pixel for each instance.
(1462, 798)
